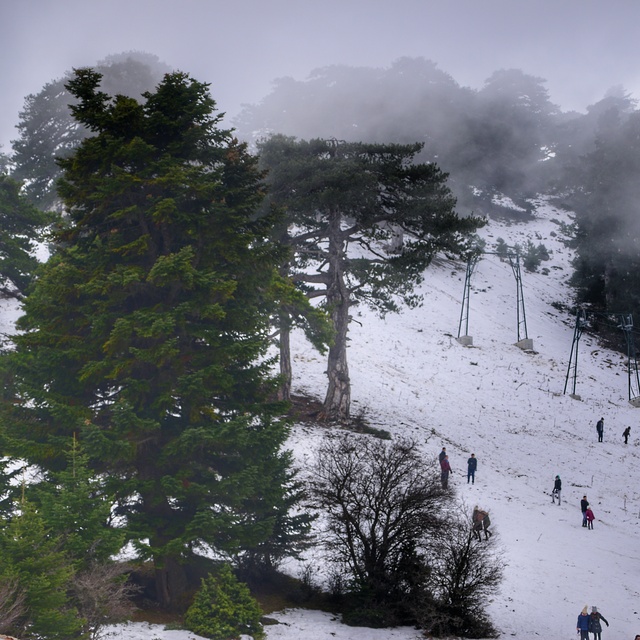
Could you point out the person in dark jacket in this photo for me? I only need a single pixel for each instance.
(583, 623)
(600, 429)
(594, 623)
(445, 471)
(442, 454)
(584, 505)
(557, 490)
(472, 465)
(625, 434)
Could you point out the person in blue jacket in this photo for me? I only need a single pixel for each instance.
(472, 465)
(583, 623)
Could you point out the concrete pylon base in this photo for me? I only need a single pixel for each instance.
(466, 341)
(525, 344)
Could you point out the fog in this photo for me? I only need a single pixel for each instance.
(580, 48)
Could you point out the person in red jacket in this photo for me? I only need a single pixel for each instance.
(445, 471)
(590, 518)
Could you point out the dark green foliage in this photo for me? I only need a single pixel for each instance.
(288, 530)
(146, 334)
(74, 503)
(20, 228)
(223, 609)
(48, 130)
(33, 558)
(66, 543)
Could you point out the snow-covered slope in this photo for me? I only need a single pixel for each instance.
(412, 377)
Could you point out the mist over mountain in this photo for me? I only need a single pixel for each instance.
(507, 137)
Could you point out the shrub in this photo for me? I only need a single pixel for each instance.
(534, 255)
(223, 608)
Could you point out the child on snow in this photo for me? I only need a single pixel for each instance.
(590, 518)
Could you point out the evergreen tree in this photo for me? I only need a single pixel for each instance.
(369, 221)
(606, 196)
(148, 329)
(32, 557)
(20, 227)
(74, 504)
(48, 130)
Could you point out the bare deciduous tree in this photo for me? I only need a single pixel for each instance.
(12, 603)
(383, 504)
(103, 596)
(465, 573)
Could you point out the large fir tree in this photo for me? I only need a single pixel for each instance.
(47, 129)
(146, 333)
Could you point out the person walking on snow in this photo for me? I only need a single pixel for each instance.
(626, 433)
(594, 623)
(584, 505)
(590, 518)
(472, 465)
(600, 429)
(446, 470)
(583, 623)
(557, 491)
(480, 521)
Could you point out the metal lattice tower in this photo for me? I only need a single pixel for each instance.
(581, 323)
(626, 324)
(521, 319)
(464, 313)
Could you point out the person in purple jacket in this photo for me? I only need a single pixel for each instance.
(445, 471)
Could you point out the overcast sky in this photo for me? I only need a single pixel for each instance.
(580, 47)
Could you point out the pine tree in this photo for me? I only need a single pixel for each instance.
(369, 221)
(147, 332)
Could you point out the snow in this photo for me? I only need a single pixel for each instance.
(411, 377)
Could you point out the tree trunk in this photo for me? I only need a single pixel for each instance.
(284, 390)
(170, 575)
(337, 402)
(171, 583)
